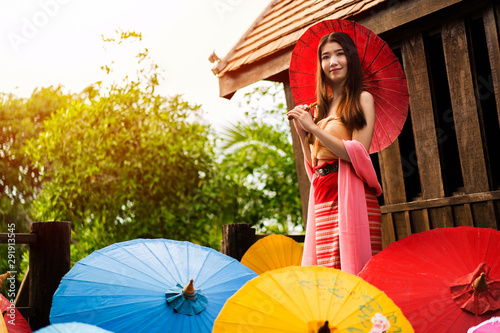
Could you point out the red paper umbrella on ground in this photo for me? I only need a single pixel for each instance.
(12, 319)
(383, 76)
(444, 280)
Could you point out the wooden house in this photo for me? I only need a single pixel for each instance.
(444, 169)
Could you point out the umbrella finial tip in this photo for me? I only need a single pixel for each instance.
(189, 290)
(325, 328)
(480, 284)
(4, 277)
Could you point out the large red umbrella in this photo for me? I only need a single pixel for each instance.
(444, 280)
(383, 76)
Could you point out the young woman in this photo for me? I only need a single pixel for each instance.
(343, 226)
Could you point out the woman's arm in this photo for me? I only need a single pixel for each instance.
(333, 143)
(306, 150)
(365, 134)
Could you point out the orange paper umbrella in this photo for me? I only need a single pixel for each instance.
(383, 76)
(310, 299)
(444, 280)
(272, 252)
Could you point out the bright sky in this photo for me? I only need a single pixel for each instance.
(52, 42)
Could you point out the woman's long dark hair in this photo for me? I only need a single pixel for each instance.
(349, 109)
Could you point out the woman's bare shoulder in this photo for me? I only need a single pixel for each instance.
(366, 97)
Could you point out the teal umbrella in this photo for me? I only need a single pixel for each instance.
(144, 285)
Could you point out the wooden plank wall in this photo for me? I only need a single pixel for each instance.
(480, 204)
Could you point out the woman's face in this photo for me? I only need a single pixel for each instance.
(334, 62)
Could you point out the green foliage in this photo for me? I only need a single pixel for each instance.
(21, 119)
(123, 165)
(124, 162)
(259, 162)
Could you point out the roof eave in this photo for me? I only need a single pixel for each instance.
(262, 69)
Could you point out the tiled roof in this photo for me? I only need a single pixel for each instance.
(280, 26)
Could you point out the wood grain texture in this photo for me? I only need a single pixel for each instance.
(422, 115)
(491, 32)
(462, 215)
(388, 232)
(392, 174)
(465, 112)
(49, 262)
(304, 183)
(420, 220)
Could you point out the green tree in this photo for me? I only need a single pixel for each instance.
(123, 165)
(258, 161)
(20, 120)
(125, 162)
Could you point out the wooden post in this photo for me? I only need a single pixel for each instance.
(49, 262)
(237, 239)
(304, 184)
(492, 36)
(465, 112)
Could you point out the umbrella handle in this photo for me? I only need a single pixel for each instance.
(309, 107)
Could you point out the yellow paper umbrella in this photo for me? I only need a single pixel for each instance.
(310, 299)
(3, 327)
(273, 252)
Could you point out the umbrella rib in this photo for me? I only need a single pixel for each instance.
(267, 267)
(366, 48)
(386, 90)
(310, 85)
(375, 134)
(382, 127)
(221, 282)
(201, 266)
(141, 309)
(346, 314)
(288, 296)
(375, 57)
(302, 73)
(122, 263)
(388, 102)
(372, 73)
(162, 262)
(126, 249)
(250, 309)
(114, 284)
(272, 258)
(382, 79)
(304, 58)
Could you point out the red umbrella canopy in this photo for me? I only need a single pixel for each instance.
(383, 76)
(14, 321)
(444, 280)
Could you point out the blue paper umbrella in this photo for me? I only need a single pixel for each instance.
(144, 286)
(72, 327)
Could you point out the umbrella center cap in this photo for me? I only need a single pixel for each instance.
(476, 292)
(186, 300)
(321, 326)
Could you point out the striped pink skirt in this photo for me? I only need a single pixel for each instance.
(327, 226)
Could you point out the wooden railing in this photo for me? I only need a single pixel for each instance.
(238, 237)
(49, 261)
